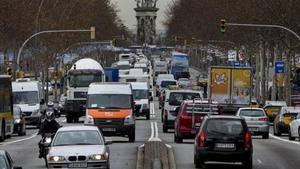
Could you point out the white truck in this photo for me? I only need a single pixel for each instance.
(142, 97)
(29, 96)
(135, 75)
(80, 76)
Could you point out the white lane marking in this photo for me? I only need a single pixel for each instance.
(21, 140)
(156, 130)
(152, 111)
(259, 161)
(152, 132)
(284, 140)
(168, 145)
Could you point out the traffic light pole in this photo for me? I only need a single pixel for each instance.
(92, 30)
(265, 26)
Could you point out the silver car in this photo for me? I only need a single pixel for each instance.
(257, 121)
(78, 147)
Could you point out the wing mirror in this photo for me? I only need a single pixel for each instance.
(108, 142)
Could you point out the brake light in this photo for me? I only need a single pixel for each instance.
(263, 119)
(247, 140)
(201, 139)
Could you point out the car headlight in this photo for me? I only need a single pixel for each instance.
(48, 140)
(56, 158)
(129, 120)
(98, 157)
(89, 120)
(17, 121)
(35, 112)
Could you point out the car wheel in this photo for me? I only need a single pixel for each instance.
(148, 115)
(177, 139)
(248, 164)
(132, 135)
(291, 137)
(165, 128)
(69, 119)
(299, 134)
(2, 136)
(198, 163)
(265, 136)
(162, 115)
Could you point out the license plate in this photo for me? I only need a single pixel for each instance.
(109, 129)
(77, 165)
(225, 146)
(197, 124)
(253, 129)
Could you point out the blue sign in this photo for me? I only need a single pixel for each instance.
(279, 67)
(237, 64)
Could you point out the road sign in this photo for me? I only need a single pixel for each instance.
(279, 67)
(237, 64)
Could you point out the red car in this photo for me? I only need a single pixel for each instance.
(295, 99)
(190, 116)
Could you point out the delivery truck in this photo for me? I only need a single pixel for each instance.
(231, 87)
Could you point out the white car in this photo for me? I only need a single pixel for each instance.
(184, 82)
(78, 147)
(295, 128)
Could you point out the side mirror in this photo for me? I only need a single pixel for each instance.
(108, 142)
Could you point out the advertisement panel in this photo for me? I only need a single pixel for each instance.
(220, 85)
(241, 86)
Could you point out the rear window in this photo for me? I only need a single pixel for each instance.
(202, 109)
(167, 83)
(252, 113)
(224, 127)
(176, 98)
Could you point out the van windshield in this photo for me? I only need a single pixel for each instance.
(83, 80)
(123, 67)
(28, 97)
(109, 101)
(140, 94)
(177, 98)
(167, 83)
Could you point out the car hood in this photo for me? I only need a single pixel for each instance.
(28, 107)
(77, 150)
(141, 101)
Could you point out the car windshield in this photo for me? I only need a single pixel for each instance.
(3, 164)
(103, 101)
(28, 97)
(224, 127)
(65, 138)
(252, 113)
(123, 67)
(83, 80)
(177, 98)
(140, 94)
(165, 84)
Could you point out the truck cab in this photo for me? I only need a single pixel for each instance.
(142, 97)
(29, 96)
(110, 107)
(80, 76)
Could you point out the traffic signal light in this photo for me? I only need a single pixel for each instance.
(9, 71)
(223, 26)
(93, 33)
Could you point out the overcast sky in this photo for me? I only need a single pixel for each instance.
(127, 13)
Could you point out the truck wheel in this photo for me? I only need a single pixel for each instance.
(2, 136)
(132, 135)
(76, 119)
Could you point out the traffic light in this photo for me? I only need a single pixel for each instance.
(93, 33)
(9, 71)
(223, 26)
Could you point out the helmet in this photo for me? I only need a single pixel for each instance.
(50, 116)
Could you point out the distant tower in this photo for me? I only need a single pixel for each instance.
(146, 21)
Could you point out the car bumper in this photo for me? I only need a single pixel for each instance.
(90, 165)
(258, 129)
(223, 156)
(116, 130)
(187, 133)
(33, 120)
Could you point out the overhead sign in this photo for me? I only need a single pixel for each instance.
(279, 67)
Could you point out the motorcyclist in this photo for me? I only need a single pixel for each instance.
(49, 125)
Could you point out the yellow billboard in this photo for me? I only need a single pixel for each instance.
(241, 86)
(220, 84)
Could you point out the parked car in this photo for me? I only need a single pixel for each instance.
(19, 121)
(282, 121)
(78, 147)
(295, 128)
(190, 116)
(256, 119)
(6, 161)
(172, 101)
(223, 139)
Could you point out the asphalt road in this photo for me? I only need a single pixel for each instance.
(274, 153)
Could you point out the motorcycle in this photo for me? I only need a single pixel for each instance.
(46, 142)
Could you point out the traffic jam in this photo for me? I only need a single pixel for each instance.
(215, 111)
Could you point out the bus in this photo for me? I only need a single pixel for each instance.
(6, 107)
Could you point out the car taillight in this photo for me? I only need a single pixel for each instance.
(201, 139)
(263, 119)
(247, 140)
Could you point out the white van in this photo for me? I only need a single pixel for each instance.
(124, 67)
(127, 57)
(110, 107)
(29, 96)
(142, 97)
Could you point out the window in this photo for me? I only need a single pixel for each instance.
(140, 94)
(224, 127)
(252, 113)
(65, 138)
(112, 101)
(28, 97)
(175, 98)
(83, 80)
